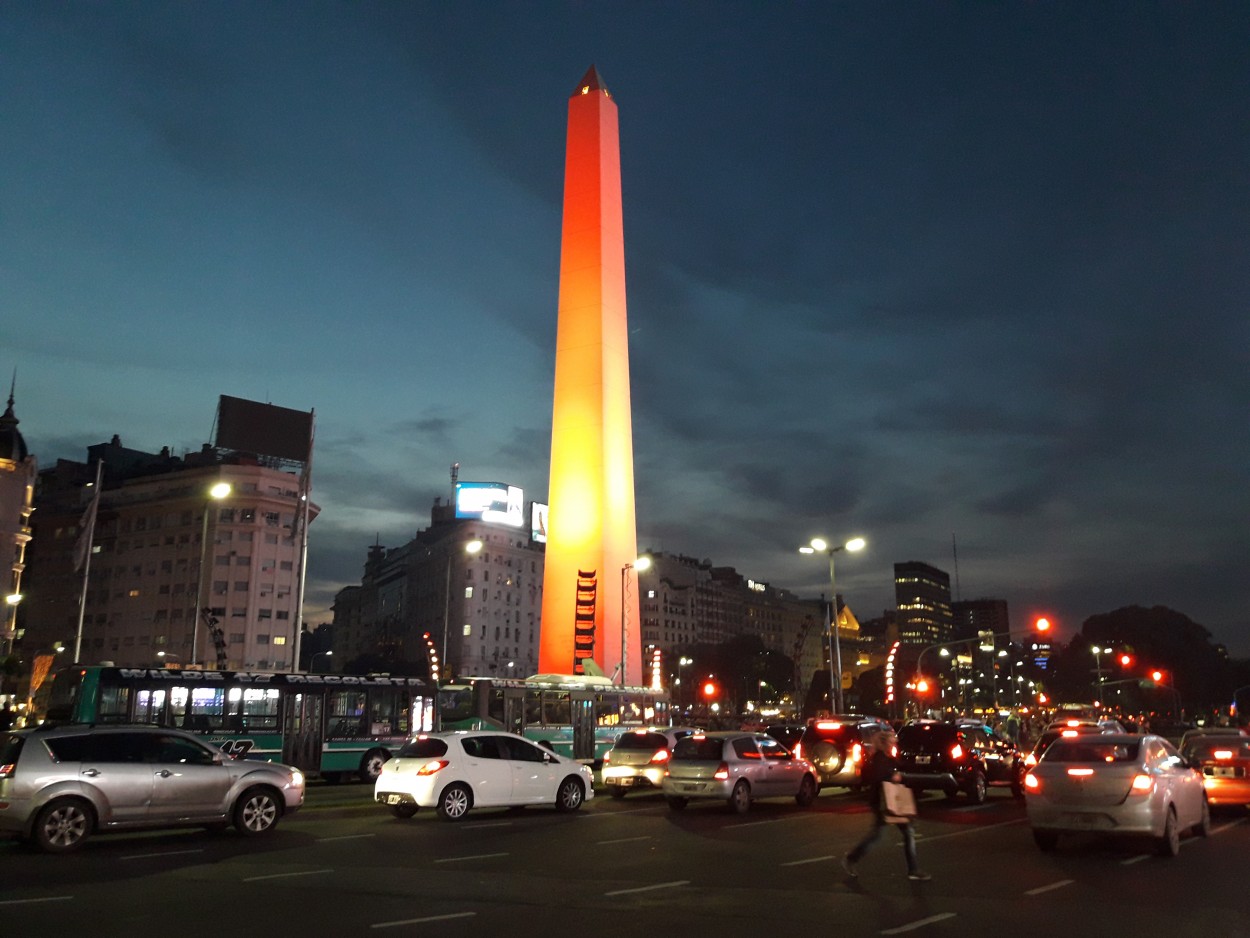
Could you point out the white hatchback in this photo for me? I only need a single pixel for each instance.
(458, 771)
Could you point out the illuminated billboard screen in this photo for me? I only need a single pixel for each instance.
(538, 522)
(491, 501)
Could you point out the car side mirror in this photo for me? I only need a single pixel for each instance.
(548, 758)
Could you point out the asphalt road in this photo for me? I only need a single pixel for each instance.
(343, 866)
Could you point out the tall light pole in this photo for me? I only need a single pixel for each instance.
(472, 547)
(1098, 650)
(683, 662)
(820, 545)
(215, 494)
(312, 660)
(642, 563)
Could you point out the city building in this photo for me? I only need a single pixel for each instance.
(18, 472)
(463, 598)
(971, 617)
(173, 574)
(922, 594)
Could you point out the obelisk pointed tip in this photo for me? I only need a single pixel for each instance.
(591, 81)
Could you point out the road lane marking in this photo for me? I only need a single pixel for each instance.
(29, 901)
(476, 856)
(623, 840)
(975, 830)
(1136, 859)
(624, 892)
(920, 923)
(1224, 827)
(811, 860)
(1055, 885)
(168, 853)
(428, 918)
(257, 879)
(483, 825)
(326, 840)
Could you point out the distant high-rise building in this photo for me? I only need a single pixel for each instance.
(18, 472)
(922, 594)
(974, 616)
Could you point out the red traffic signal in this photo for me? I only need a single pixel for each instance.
(1042, 624)
(1156, 676)
(922, 686)
(1126, 660)
(709, 689)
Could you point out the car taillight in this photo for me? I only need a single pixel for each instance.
(1031, 759)
(828, 725)
(1031, 782)
(857, 753)
(661, 756)
(957, 751)
(1081, 773)
(607, 757)
(1223, 753)
(434, 765)
(798, 750)
(722, 772)
(1142, 784)
(6, 771)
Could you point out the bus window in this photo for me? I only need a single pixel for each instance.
(455, 704)
(606, 710)
(114, 705)
(387, 716)
(206, 710)
(533, 708)
(556, 708)
(149, 706)
(260, 709)
(345, 711)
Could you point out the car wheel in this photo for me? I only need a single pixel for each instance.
(976, 789)
(807, 792)
(740, 798)
(1169, 845)
(63, 825)
(257, 811)
(455, 802)
(570, 795)
(618, 791)
(371, 765)
(1046, 840)
(403, 810)
(677, 804)
(1203, 827)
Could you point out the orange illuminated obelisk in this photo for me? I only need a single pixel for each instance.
(591, 537)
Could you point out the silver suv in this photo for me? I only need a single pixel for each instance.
(59, 785)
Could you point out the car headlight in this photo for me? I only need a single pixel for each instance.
(297, 778)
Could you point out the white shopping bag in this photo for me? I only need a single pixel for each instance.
(899, 802)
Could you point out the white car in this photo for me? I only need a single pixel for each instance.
(458, 771)
(639, 758)
(1117, 783)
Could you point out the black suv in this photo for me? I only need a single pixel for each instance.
(958, 757)
(838, 746)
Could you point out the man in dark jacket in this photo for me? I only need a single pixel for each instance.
(880, 767)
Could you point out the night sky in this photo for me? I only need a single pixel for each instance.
(935, 274)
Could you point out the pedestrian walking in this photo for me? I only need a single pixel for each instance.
(882, 767)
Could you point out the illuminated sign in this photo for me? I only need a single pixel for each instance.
(757, 586)
(538, 522)
(491, 501)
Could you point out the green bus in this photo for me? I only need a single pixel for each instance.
(576, 715)
(337, 726)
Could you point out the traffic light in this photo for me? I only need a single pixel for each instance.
(709, 689)
(1156, 676)
(922, 686)
(1126, 660)
(1042, 624)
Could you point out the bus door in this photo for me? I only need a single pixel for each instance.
(583, 717)
(514, 709)
(301, 737)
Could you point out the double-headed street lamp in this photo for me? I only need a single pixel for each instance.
(819, 545)
(216, 493)
(639, 565)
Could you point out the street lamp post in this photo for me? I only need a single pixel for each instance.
(642, 563)
(820, 545)
(1098, 650)
(218, 491)
(165, 656)
(472, 547)
(683, 662)
(312, 660)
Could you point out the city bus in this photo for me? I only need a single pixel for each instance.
(575, 715)
(337, 726)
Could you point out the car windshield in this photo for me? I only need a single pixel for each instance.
(1091, 749)
(697, 749)
(649, 742)
(423, 747)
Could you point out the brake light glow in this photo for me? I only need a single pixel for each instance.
(607, 757)
(1031, 759)
(857, 753)
(1069, 733)
(798, 750)
(1142, 784)
(434, 765)
(957, 751)
(828, 725)
(6, 771)
(661, 756)
(722, 772)
(1031, 782)
(1223, 753)
(1081, 773)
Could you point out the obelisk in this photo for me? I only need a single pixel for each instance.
(591, 538)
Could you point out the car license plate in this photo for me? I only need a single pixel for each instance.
(1223, 771)
(394, 799)
(691, 787)
(923, 760)
(625, 782)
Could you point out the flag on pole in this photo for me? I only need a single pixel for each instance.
(82, 547)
